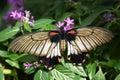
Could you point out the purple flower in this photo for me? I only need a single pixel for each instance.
(27, 19)
(16, 5)
(23, 17)
(27, 14)
(35, 64)
(60, 24)
(69, 21)
(27, 65)
(31, 22)
(67, 28)
(108, 17)
(16, 15)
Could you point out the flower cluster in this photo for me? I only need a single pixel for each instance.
(23, 17)
(15, 5)
(68, 25)
(108, 17)
(28, 65)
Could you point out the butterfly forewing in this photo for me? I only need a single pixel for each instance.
(95, 36)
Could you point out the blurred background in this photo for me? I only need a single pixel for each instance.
(101, 13)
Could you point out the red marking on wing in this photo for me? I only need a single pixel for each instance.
(53, 33)
(71, 32)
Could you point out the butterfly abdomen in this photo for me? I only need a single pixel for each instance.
(63, 45)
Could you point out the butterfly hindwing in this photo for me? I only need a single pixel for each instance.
(53, 57)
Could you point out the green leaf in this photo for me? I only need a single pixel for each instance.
(8, 33)
(30, 70)
(42, 75)
(49, 27)
(117, 77)
(88, 20)
(1, 75)
(41, 23)
(13, 56)
(62, 73)
(77, 77)
(24, 57)
(8, 71)
(27, 58)
(112, 63)
(18, 24)
(99, 75)
(3, 53)
(91, 68)
(76, 69)
(27, 27)
(13, 63)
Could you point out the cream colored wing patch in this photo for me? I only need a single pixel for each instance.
(89, 38)
(37, 44)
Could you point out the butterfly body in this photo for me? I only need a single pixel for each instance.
(48, 45)
(62, 37)
(63, 45)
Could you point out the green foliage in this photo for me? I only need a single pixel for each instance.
(89, 19)
(91, 68)
(117, 77)
(77, 70)
(1, 75)
(8, 33)
(42, 23)
(62, 73)
(102, 63)
(99, 75)
(42, 75)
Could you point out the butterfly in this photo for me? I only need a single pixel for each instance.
(49, 45)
